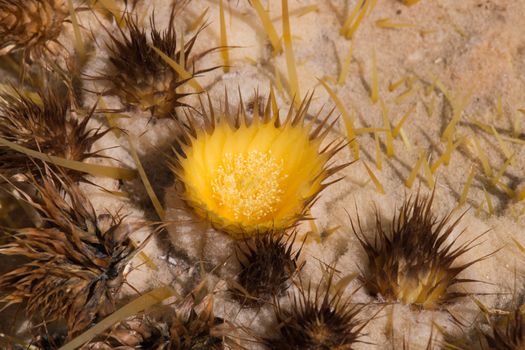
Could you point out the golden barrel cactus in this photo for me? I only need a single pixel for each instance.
(248, 175)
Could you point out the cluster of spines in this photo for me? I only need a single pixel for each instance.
(317, 318)
(414, 263)
(268, 264)
(140, 69)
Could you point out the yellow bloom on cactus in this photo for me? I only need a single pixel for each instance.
(247, 175)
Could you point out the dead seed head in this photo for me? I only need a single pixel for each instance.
(195, 327)
(76, 259)
(189, 327)
(139, 76)
(137, 332)
(42, 122)
(414, 264)
(31, 26)
(268, 262)
(317, 320)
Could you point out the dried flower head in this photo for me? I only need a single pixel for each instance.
(248, 177)
(268, 262)
(139, 76)
(189, 327)
(32, 26)
(43, 122)
(415, 264)
(195, 327)
(317, 320)
(136, 332)
(76, 259)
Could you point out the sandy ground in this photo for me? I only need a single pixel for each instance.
(471, 50)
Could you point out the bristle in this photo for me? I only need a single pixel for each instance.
(399, 125)
(139, 76)
(268, 263)
(76, 257)
(348, 120)
(352, 23)
(43, 124)
(147, 184)
(497, 330)
(317, 319)
(388, 23)
(374, 84)
(195, 327)
(390, 152)
(413, 264)
(345, 66)
(415, 170)
(225, 52)
(507, 332)
(379, 186)
(268, 26)
(410, 2)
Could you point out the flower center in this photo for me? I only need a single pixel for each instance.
(248, 185)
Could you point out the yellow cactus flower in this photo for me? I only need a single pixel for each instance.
(247, 175)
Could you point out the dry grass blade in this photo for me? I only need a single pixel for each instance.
(135, 332)
(288, 50)
(225, 53)
(83, 168)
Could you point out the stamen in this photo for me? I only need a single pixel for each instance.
(248, 186)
